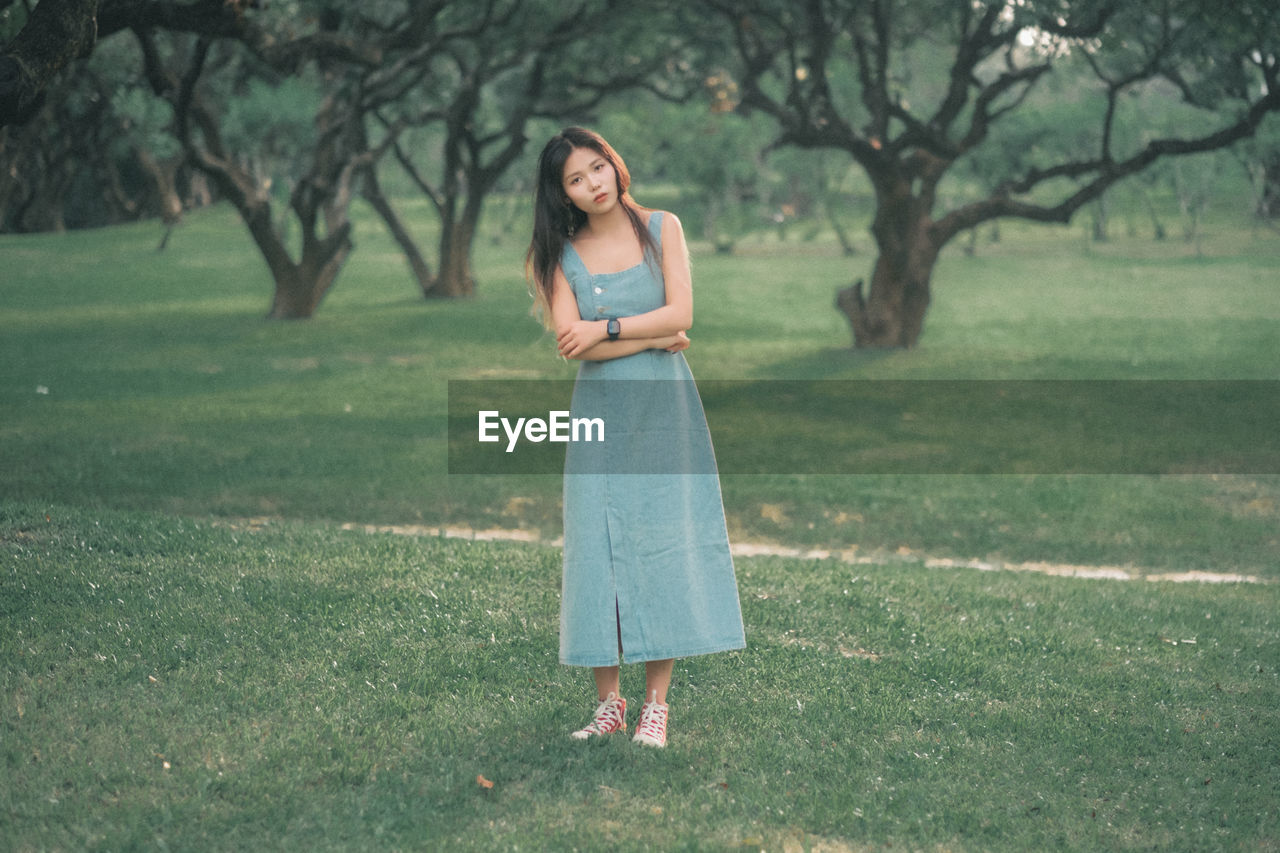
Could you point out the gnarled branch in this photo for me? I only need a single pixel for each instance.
(57, 33)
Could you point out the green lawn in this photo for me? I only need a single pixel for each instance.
(180, 684)
(177, 589)
(166, 390)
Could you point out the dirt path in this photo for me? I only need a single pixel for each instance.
(851, 555)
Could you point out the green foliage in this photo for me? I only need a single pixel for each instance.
(274, 122)
(147, 121)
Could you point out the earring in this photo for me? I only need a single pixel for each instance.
(572, 228)
(569, 212)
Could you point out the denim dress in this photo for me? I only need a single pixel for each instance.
(646, 553)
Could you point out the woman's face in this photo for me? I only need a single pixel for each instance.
(590, 181)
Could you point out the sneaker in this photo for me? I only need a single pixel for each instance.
(652, 728)
(611, 716)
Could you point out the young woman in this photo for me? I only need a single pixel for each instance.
(647, 571)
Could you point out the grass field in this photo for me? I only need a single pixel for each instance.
(166, 391)
(181, 684)
(199, 656)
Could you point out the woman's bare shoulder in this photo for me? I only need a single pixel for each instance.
(669, 219)
(671, 225)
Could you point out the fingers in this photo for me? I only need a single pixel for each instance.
(569, 343)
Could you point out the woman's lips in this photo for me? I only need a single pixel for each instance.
(600, 198)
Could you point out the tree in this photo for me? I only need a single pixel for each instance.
(513, 62)
(474, 73)
(321, 192)
(97, 153)
(910, 88)
(1260, 158)
(259, 46)
(56, 33)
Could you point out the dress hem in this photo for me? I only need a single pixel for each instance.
(736, 645)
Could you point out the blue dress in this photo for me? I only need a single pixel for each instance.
(646, 552)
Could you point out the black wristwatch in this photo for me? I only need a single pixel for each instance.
(614, 328)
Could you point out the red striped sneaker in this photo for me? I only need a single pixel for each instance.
(611, 716)
(652, 728)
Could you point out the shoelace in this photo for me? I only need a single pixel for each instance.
(653, 721)
(608, 717)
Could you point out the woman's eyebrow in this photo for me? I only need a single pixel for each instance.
(589, 165)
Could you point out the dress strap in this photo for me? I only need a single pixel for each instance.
(571, 262)
(655, 228)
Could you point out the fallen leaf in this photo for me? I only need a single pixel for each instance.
(483, 782)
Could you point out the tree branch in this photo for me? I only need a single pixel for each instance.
(1105, 174)
(223, 19)
(414, 175)
(974, 47)
(983, 117)
(56, 33)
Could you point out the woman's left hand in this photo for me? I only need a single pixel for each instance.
(581, 336)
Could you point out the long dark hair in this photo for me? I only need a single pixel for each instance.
(554, 218)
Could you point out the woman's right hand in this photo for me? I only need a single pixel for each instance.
(679, 342)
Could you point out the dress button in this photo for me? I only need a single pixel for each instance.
(600, 310)
(599, 290)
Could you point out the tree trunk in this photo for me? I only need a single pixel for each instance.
(198, 194)
(47, 204)
(1100, 231)
(892, 313)
(378, 200)
(1157, 227)
(18, 147)
(164, 183)
(1269, 198)
(301, 286)
(456, 236)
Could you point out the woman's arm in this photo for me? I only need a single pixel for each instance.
(578, 335)
(564, 314)
(606, 350)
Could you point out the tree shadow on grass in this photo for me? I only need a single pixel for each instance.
(826, 363)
